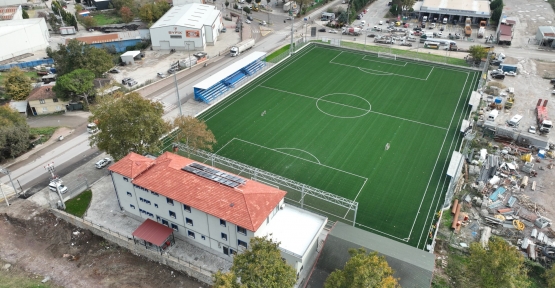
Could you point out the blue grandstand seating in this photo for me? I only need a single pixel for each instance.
(254, 67)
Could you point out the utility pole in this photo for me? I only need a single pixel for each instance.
(50, 167)
(7, 172)
(176, 88)
(341, 35)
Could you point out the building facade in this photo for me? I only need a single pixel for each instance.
(220, 213)
(187, 27)
(42, 100)
(24, 36)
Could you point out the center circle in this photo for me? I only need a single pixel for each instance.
(343, 105)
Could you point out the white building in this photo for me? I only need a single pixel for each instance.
(23, 36)
(453, 10)
(191, 26)
(12, 2)
(219, 211)
(184, 2)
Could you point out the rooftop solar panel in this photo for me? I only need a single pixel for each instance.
(214, 175)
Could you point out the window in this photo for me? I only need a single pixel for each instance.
(58, 108)
(202, 237)
(174, 227)
(154, 193)
(175, 36)
(191, 234)
(189, 221)
(55, 99)
(242, 244)
(144, 200)
(125, 179)
(170, 201)
(224, 236)
(129, 194)
(44, 109)
(222, 222)
(165, 222)
(155, 205)
(132, 206)
(242, 230)
(41, 101)
(172, 214)
(187, 208)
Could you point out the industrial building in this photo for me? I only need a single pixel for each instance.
(545, 36)
(184, 2)
(454, 11)
(25, 36)
(187, 27)
(118, 41)
(211, 208)
(11, 13)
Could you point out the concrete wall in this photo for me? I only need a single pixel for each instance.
(175, 263)
(48, 107)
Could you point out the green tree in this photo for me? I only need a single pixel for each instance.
(226, 4)
(495, 4)
(146, 13)
(78, 55)
(407, 5)
(14, 133)
(247, 10)
(259, 266)
(126, 14)
(160, 8)
(478, 53)
(89, 22)
(501, 265)
(194, 132)
(77, 83)
(496, 14)
(24, 14)
(118, 4)
(17, 84)
(362, 270)
(550, 277)
(127, 123)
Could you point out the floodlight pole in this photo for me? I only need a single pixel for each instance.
(50, 167)
(292, 22)
(177, 89)
(7, 172)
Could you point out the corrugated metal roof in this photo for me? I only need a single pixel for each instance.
(547, 31)
(190, 15)
(153, 232)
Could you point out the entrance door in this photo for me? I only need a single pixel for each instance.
(164, 45)
(226, 251)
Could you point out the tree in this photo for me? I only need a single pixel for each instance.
(14, 133)
(478, 53)
(17, 84)
(362, 270)
(126, 14)
(78, 55)
(226, 4)
(407, 5)
(495, 4)
(127, 123)
(247, 10)
(259, 266)
(268, 1)
(496, 14)
(89, 22)
(194, 132)
(118, 4)
(550, 277)
(24, 14)
(146, 14)
(501, 265)
(79, 83)
(160, 8)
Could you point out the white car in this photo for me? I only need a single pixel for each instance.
(57, 183)
(510, 73)
(102, 163)
(161, 75)
(333, 31)
(263, 23)
(532, 129)
(381, 23)
(248, 21)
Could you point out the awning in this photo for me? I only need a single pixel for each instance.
(153, 232)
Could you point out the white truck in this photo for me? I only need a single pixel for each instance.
(241, 47)
(481, 32)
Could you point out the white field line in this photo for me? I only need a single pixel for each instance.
(392, 64)
(285, 148)
(371, 111)
(361, 68)
(445, 165)
(430, 73)
(255, 85)
(378, 74)
(224, 146)
(437, 159)
(323, 165)
(360, 190)
(401, 239)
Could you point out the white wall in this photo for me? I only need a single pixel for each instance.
(163, 34)
(32, 35)
(122, 187)
(12, 2)
(183, 2)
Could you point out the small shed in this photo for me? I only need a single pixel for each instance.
(129, 57)
(545, 36)
(154, 235)
(19, 106)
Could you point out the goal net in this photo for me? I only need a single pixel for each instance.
(387, 55)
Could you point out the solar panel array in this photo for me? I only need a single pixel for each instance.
(214, 175)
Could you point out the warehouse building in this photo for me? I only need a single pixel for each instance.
(546, 36)
(187, 27)
(118, 42)
(211, 208)
(24, 36)
(11, 13)
(454, 11)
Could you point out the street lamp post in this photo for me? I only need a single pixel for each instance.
(292, 22)
(177, 89)
(189, 51)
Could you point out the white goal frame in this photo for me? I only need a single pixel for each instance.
(387, 55)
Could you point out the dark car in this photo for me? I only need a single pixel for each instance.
(371, 35)
(423, 25)
(496, 62)
(237, 29)
(125, 80)
(115, 71)
(498, 76)
(249, 17)
(552, 81)
(322, 30)
(358, 17)
(223, 30)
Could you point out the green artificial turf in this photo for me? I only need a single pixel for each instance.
(329, 114)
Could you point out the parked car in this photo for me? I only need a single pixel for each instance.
(171, 70)
(322, 30)
(57, 184)
(498, 76)
(249, 17)
(102, 163)
(248, 21)
(510, 73)
(114, 70)
(237, 29)
(223, 30)
(380, 23)
(132, 83)
(532, 129)
(263, 23)
(333, 31)
(371, 35)
(552, 81)
(161, 75)
(125, 80)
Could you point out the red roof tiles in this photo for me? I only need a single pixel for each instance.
(131, 165)
(247, 205)
(43, 92)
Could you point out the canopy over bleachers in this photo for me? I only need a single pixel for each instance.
(219, 83)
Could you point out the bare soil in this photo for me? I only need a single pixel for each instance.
(40, 243)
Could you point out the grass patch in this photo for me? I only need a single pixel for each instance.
(79, 204)
(106, 19)
(17, 277)
(277, 53)
(323, 117)
(46, 132)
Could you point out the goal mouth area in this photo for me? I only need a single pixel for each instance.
(387, 55)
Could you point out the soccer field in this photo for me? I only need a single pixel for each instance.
(324, 118)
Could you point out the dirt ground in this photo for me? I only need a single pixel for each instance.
(39, 243)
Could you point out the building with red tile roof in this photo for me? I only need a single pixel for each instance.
(43, 100)
(217, 209)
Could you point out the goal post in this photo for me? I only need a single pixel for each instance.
(387, 55)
